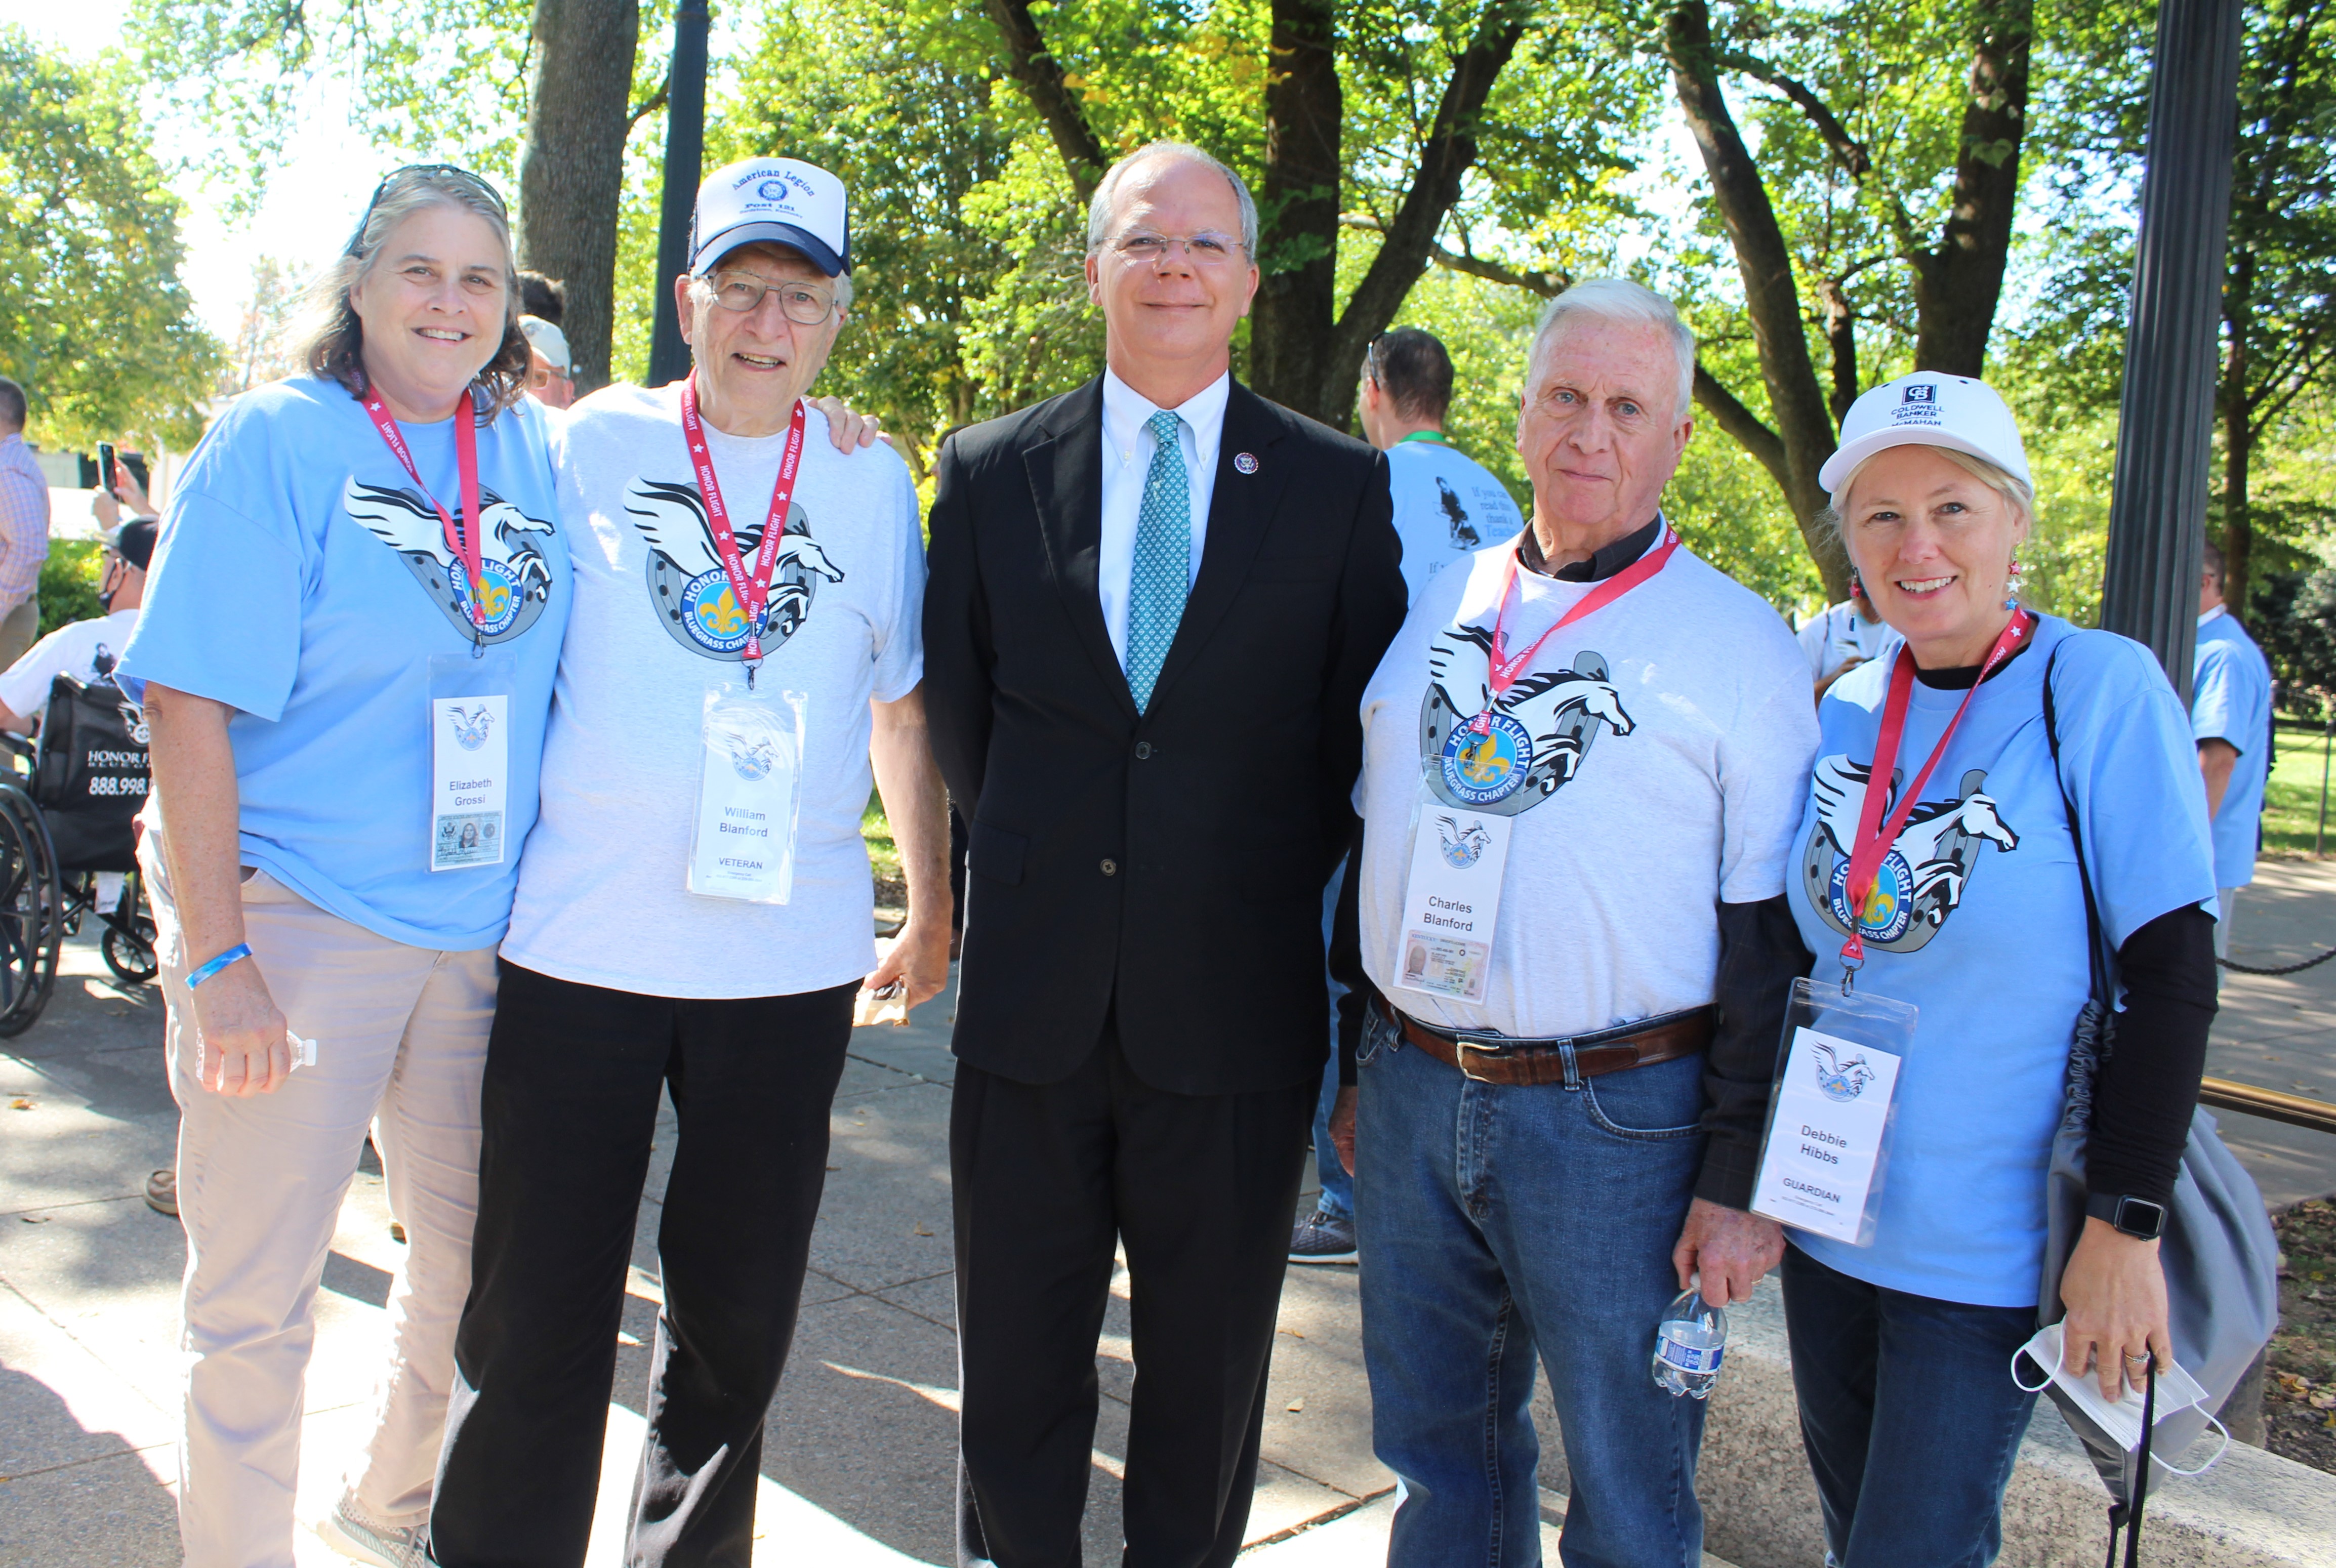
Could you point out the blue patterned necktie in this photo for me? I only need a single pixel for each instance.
(1163, 572)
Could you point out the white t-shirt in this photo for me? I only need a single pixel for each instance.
(602, 898)
(1128, 446)
(1608, 904)
(70, 650)
(1447, 507)
(1837, 633)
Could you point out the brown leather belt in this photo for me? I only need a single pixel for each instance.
(1525, 1062)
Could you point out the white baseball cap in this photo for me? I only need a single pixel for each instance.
(547, 340)
(781, 199)
(1928, 409)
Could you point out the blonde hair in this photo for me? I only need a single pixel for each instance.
(2016, 492)
(328, 338)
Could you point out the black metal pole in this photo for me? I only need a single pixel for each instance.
(2157, 511)
(685, 149)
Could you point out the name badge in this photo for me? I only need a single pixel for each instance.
(1450, 902)
(1822, 1164)
(470, 760)
(749, 793)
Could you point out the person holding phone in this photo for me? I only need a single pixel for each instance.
(23, 529)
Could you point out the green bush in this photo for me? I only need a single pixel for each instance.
(69, 581)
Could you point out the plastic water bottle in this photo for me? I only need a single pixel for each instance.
(1690, 1342)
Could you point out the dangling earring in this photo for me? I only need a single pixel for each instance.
(2012, 588)
(1856, 584)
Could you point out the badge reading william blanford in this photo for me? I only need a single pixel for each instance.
(750, 788)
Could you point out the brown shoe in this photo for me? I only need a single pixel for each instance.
(162, 1193)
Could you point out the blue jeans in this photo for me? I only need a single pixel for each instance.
(1338, 1187)
(1496, 1223)
(1910, 1415)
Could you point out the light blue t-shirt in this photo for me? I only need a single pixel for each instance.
(2230, 700)
(1447, 507)
(300, 580)
(1987, 934)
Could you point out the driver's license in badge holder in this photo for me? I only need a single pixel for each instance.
(749, 795)
(1830, 1112)
(1451, 900)
(469, 758)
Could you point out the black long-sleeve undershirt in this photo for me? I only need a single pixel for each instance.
(2147, 1088)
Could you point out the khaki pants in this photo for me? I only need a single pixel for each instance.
(401, 1037)
(19, 629)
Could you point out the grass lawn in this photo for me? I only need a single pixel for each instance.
(884, 856)
(2291, 803)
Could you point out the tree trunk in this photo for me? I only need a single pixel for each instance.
(1040, 75)
(2237, 412)
(571, 175)
(1957, 286)
(1292, 329)
(1841, 337)
(1797, 403)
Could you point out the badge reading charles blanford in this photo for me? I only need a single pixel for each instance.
(1245, 462)
(688, 586)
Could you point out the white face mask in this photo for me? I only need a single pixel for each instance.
(2176, 1390)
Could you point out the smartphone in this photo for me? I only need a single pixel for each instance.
(105, 480)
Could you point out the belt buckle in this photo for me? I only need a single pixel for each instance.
(1466, 1047)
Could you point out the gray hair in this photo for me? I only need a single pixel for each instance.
(1106, 195)
(1617, 300)
(328, 336)
(2016, 492)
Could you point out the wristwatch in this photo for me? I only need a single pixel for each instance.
(2136, 1217)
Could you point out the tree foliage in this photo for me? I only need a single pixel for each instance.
(94, 318)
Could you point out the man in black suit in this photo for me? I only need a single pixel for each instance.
(1154, 605)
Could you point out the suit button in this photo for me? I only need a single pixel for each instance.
(1142, 748)
(1110, 868)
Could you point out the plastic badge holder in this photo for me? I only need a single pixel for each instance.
(1825, 1154)
(749, 795)
(469, 757)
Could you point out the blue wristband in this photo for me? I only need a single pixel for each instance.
(240, 951)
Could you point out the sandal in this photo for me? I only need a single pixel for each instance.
(162, 1193)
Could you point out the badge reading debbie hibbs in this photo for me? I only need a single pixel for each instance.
(1483, 766)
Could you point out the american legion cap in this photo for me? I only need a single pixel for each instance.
(781, 199)
(1927, 409)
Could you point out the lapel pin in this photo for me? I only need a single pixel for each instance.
(1245, 462)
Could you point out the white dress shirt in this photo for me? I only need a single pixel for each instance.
(1127, 449)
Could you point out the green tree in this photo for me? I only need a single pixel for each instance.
(94, 318)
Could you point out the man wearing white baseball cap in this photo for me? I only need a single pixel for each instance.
(695, 910)
(2034, 773)
(551, 379)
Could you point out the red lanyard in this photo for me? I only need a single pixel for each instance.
(1501, 670)
(1874, 834)
(754, 592)
(461, 537)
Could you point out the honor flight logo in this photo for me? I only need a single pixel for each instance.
(1921, 879)
(1530, 744)
(518, 577)
(690, 592)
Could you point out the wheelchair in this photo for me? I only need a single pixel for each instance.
(67, 809)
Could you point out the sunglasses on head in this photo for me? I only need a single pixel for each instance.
(449, 170)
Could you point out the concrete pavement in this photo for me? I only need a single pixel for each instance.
(2280, 1032)
(859, 1458)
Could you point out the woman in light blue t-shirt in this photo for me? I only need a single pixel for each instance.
(1902, 1349)
(348, 647)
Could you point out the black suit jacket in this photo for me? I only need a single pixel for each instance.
(1169, 864)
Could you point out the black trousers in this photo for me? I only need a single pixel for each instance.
(570, 1106)
(1200, 1189)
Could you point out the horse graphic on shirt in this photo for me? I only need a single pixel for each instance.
(1927, 869)
(516, 574)
(688, 586)
(1560, 711)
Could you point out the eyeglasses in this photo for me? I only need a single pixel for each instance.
(1371, 360)
(543, 376)
(1206, 248)
(804, 304)
(447, 171)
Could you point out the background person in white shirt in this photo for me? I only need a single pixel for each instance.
(85, 650)
(619, 984)
(1645, 769)
(1841, 636)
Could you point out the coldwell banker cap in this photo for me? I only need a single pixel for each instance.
(781, 199)
(1928, 409)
